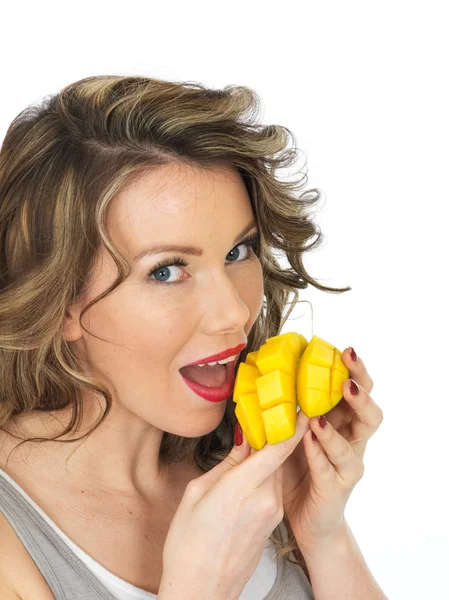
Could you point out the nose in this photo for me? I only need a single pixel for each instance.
(224, 306)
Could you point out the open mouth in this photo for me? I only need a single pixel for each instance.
(215, 376)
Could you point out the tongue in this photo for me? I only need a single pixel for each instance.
(214, 376)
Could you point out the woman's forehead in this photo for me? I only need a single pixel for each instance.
(156, 211)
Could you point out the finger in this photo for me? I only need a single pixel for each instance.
(280, 486)
(235, 458)
(322, 472)
(338, 453)
(260, 464)
(357, 371)
(367, 414)
(273, 482)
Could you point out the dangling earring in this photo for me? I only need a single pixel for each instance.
(311, 315)
(311, 320)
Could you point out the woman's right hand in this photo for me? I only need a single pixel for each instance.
(219, 532)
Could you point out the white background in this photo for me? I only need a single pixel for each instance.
(363, 87)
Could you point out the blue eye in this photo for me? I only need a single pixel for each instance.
(252, 241)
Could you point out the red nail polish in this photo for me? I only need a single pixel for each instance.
(238, 435)
(354, 387)
(314, 438)
(322, 420)
(353, 354)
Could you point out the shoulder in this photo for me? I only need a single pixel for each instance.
(20, 579)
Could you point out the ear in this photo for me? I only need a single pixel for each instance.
(72, 329)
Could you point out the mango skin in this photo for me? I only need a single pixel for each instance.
(286, 372)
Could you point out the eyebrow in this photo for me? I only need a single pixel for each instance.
(194, 250)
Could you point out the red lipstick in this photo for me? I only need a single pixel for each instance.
(220, 355)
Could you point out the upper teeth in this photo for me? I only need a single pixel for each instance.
(220, 362)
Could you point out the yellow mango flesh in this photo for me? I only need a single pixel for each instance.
(284, 373)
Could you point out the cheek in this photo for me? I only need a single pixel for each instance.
(155, 327)
(251, 291)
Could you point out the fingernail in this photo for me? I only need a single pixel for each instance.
(238, 434)
(322, 420)
(354, 387)
(314, 438)
(353, 354)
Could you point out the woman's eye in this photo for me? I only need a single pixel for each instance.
(164, 268)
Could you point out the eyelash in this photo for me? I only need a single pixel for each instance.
(251, 240)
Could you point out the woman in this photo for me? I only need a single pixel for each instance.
(94, 182)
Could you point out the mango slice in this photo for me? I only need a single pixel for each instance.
(286, 372)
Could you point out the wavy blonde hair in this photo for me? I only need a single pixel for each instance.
(62, 162)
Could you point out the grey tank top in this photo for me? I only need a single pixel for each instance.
(70, 579)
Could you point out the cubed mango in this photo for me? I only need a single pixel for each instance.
(284, 373)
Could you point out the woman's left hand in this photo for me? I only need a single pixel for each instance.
(319, 476)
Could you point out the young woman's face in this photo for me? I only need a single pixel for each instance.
(159, 321)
